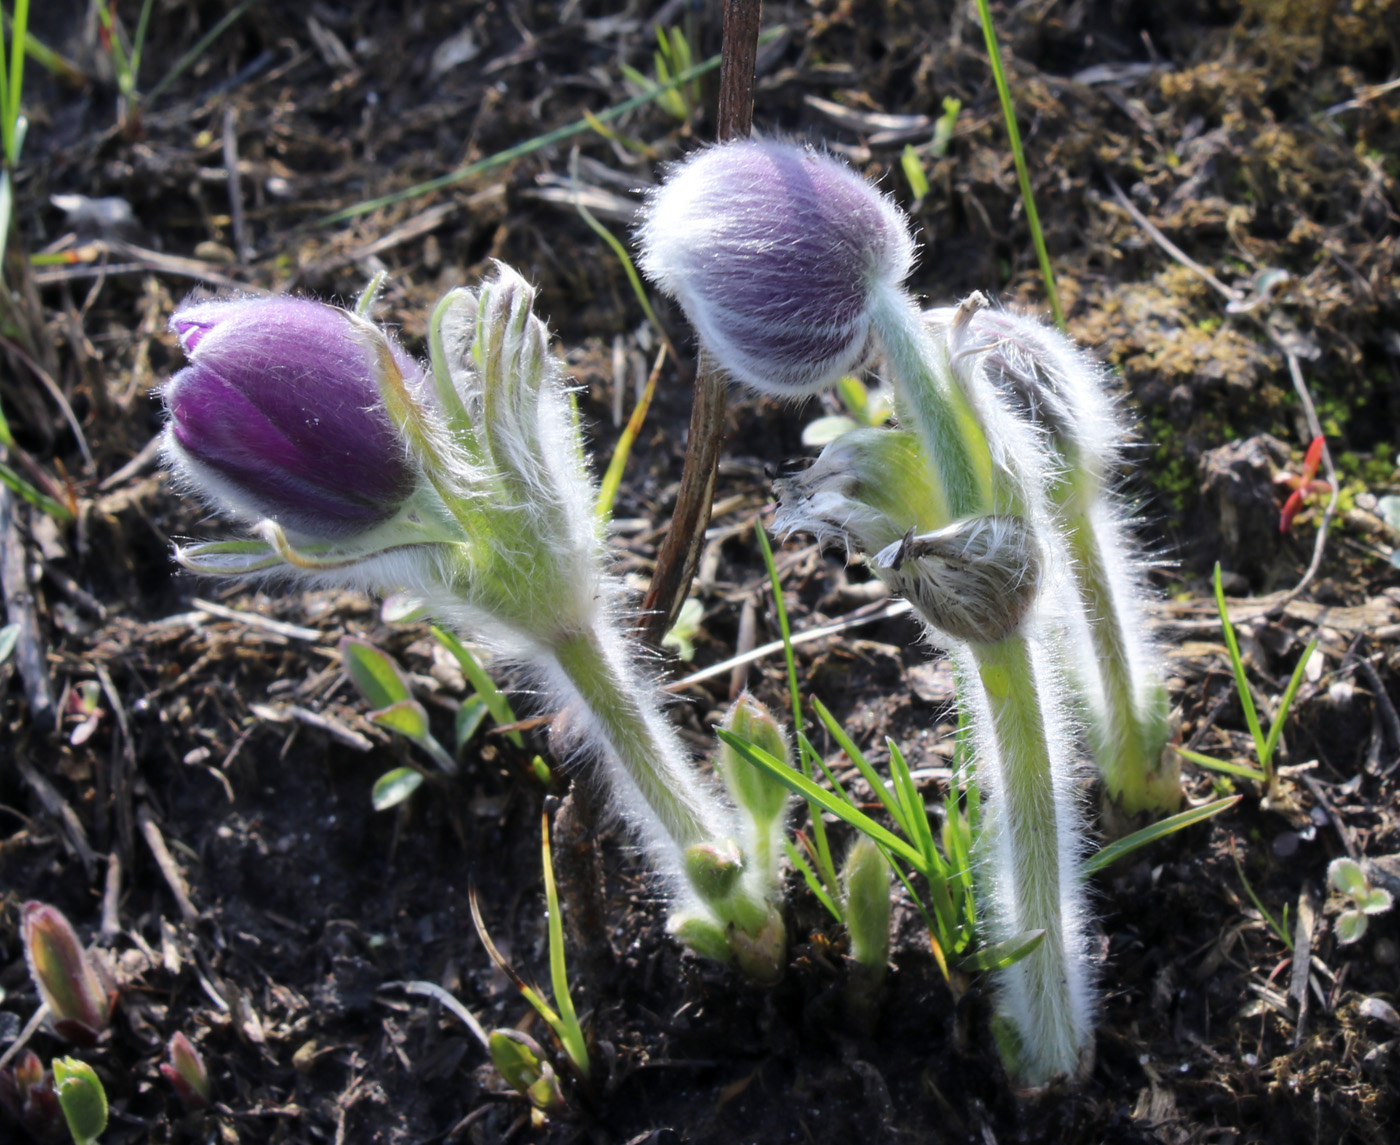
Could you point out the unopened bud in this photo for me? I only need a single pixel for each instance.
(976, 580)
(714, 869)
(278, 415)
(64, 975)
(775, 252)
(761, 798)
(187, 1073)
(865, 880)
(523, 1064)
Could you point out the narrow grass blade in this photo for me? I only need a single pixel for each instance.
(612, 479)
(1295, 682)
(915, 812)
(568, 1029)
(1109, 855)
(872, 777)
(1237, 665)
(1002, 954)
(809, 876)
(805, 755)
(530, 146)
(476, 675)
(1225, 767)
(799, 783)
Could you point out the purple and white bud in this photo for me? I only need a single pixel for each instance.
(776, 253)
(278, 416)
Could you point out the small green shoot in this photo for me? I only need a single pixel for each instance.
(564, 1023)
(946, 126)
(681, 638)
(382, 685)
(1280, 929)
(82, 1097)
(1264, 746)
(673, 59)
(496, 703)
(125, 56)
(913, 168)
(1351, 886)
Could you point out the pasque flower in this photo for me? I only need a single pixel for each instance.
(278, 415)
(774, 252)
(790, 268)
(464, 487)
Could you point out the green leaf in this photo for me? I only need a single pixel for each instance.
(393, 787)
(408, 718)
(1347, 877)
(469, 718)
(824, 430)
(83, 1099)
(1237, 666)
(1000, 955)
(9, 637)
(375, 675)
(1351, 927)
(1375, 901)
(1109, 855)
(1294, 683)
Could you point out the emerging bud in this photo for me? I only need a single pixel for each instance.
(523, 1064)
(775, 252)
(64, 976)
(187, 1073)
(83, 1099)
(865, 879)
(760, 798)
(976, 580)
(26, 1093)
(714, 869)
(279, 416)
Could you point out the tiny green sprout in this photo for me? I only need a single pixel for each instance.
(82, 1097)
(382, 684)
(945, 127)
(187, 1073)
(681, 638)
(522, 1062)
(1351, 885)
(913, 168)
(865, 879)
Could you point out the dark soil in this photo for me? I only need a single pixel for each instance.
(1252, 136)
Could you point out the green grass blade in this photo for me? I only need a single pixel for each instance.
(1237, 665)
(1107, 856)
(797, 782)
(42, 501)
(872, 777)
(805, 755)
(496, 703)
(612, 479)
(1223, 766)
(569, 1031)
(1266, 757)
(1281, 931)
(915, 812)
(1002, 954)
(809, 876)
(190, 57)
(1013, 133)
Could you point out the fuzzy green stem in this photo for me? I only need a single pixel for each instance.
(1132, 727)
(609, 692)
(1044, 995)
(934, 407)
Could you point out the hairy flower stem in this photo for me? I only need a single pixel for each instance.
(1130, 729)
(1022, 756)
(634, 737)
(1044, 996)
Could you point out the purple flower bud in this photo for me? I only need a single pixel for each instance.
(777, 254)
(64, 976)
(278, 415)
